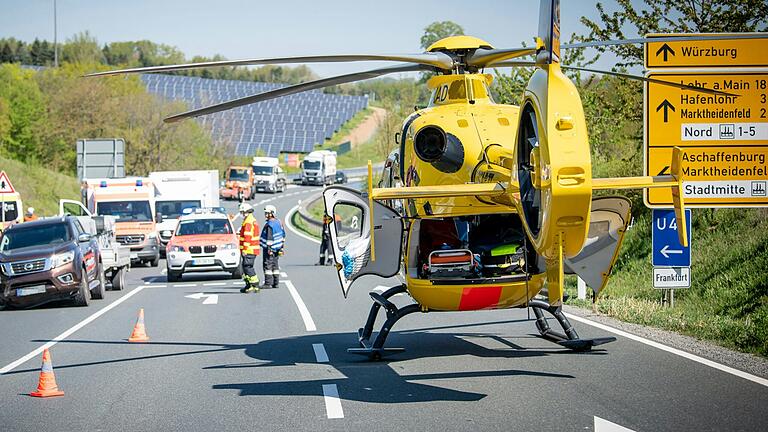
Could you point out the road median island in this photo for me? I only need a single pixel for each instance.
(309, 215)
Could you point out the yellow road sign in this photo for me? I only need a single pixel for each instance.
(724, 176)
(706, 53)
(677, 117)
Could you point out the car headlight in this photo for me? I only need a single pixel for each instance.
(3, 269)
(177, 249)
(62, 259)
(229, 246)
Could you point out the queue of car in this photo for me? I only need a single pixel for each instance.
(87, 249)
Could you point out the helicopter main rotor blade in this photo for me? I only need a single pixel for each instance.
(437, 59)
(486, 57)
(298, 88)
(653, 80)
(621, 75)
(665, 39)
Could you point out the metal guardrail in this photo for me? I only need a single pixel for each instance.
(303, 211)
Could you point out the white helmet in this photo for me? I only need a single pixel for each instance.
(270, 209)
(245, 208)
(30, 210)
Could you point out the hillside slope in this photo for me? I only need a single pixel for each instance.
(39, 187)
(728, 299)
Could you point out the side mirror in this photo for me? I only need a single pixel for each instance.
(158, 217)
(84, 237)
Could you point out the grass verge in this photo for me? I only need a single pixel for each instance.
(728, 299)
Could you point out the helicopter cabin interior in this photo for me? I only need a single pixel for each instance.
(476, 248)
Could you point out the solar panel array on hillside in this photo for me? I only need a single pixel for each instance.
(293, 124)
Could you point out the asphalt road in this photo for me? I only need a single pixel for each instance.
(257, 362)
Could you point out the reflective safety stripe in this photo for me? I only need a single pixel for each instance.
(251, 279)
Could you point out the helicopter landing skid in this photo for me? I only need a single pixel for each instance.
(570, 339)
(376, 350)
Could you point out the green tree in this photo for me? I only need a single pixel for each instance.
(6, 53)
(672, 16)
(82, 48)
(439, 30)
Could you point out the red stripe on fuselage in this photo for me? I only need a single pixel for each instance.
(474, 298)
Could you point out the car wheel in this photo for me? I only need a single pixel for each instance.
(237, 274)
(154, 261)
(98, 292)
(118, 279)
(83, 296)
(173, 276)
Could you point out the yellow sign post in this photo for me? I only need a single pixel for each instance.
(724, 137)
(725, 52)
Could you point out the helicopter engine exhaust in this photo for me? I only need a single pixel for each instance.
(443, 150)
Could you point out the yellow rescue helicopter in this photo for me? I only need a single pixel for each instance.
(482, 205)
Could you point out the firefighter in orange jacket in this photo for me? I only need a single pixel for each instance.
(249, 248)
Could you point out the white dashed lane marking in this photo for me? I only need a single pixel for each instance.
(320, 354)
(332, 401)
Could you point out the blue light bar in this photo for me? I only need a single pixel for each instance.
(103, 183)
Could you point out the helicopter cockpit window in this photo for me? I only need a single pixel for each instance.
(457, 90)
(480, 90)
(349, 223)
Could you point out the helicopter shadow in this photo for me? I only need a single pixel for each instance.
(375, 382)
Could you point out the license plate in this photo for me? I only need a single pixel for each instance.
(134, 256)
(39, 289)
(203, 261)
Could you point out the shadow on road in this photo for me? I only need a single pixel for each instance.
(363, 380)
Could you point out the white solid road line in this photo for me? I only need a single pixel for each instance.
(320, 354)
(602, 425)
(308, 322)
(332, 401)
(71, 330)
(184, 285)
(675, 351)
(294, 230)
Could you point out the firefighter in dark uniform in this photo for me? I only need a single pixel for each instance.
(272, 242)
(249, 249)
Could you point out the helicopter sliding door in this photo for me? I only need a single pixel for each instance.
(608, 222)
(351, 232)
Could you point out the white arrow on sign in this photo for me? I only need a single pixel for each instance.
(666, 251)
(209, 298)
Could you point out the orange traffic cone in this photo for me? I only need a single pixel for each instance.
(139, 333)
(46, 386)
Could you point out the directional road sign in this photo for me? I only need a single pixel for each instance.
(723, 52)
(724, 138)
(667, 250)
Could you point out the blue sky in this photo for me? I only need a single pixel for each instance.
(243, 29)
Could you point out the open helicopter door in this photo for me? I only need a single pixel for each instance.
(608, 222)
(351, 232)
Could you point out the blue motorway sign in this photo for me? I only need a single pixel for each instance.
(667, 250)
